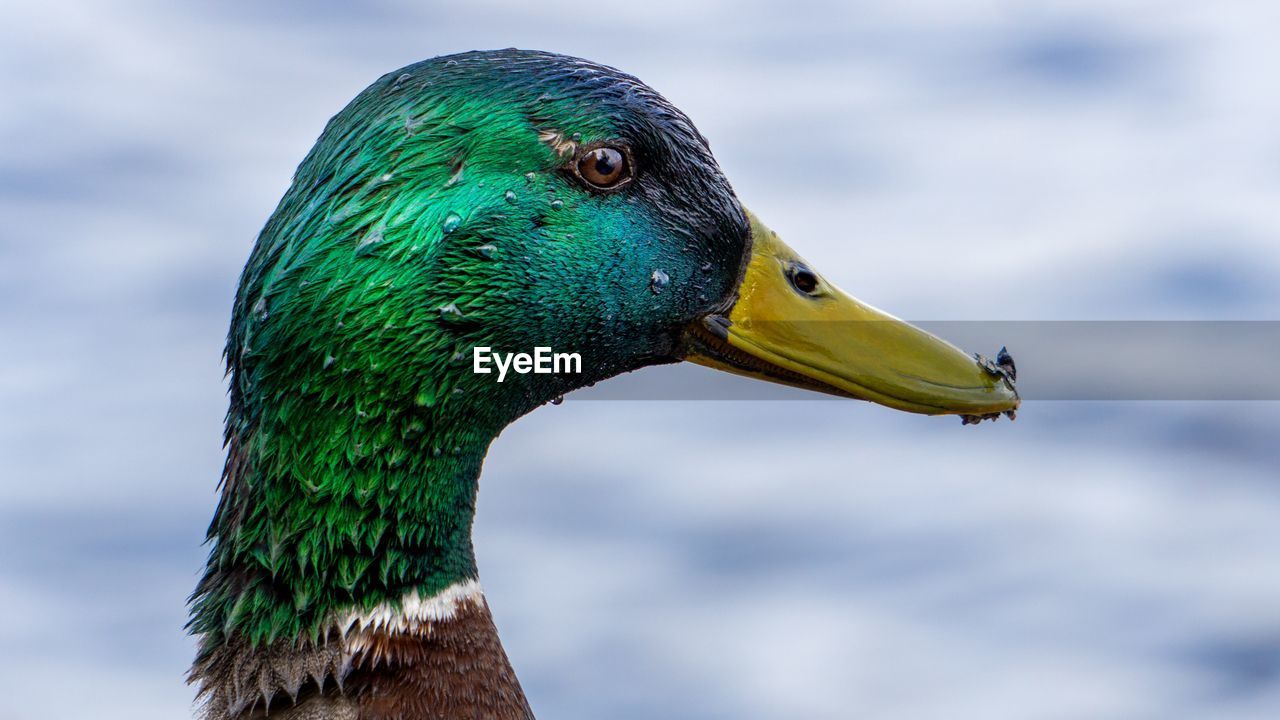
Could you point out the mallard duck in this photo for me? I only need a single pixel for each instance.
(507, 200)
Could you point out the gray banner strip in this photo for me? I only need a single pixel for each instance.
(1057, 360)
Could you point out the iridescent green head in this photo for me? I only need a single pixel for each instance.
(508, 200)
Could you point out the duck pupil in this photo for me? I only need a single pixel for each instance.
(604, 163)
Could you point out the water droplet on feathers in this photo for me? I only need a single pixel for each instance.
(511, 197)
(659, 281)
(450, 312)
(451, 223)
(557, 204)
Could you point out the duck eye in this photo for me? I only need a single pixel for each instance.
(604, 168)
(802, 279)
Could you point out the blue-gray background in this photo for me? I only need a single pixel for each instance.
(991, 160)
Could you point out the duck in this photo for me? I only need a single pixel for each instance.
(508, 201)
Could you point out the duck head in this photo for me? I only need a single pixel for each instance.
(507, 200)
(516, 200)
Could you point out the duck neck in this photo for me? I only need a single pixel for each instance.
(342, 570)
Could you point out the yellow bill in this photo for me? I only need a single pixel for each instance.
(791, 326)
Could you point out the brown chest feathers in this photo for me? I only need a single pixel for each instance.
(450, 668)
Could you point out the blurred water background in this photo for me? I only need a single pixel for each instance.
(988, 160)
